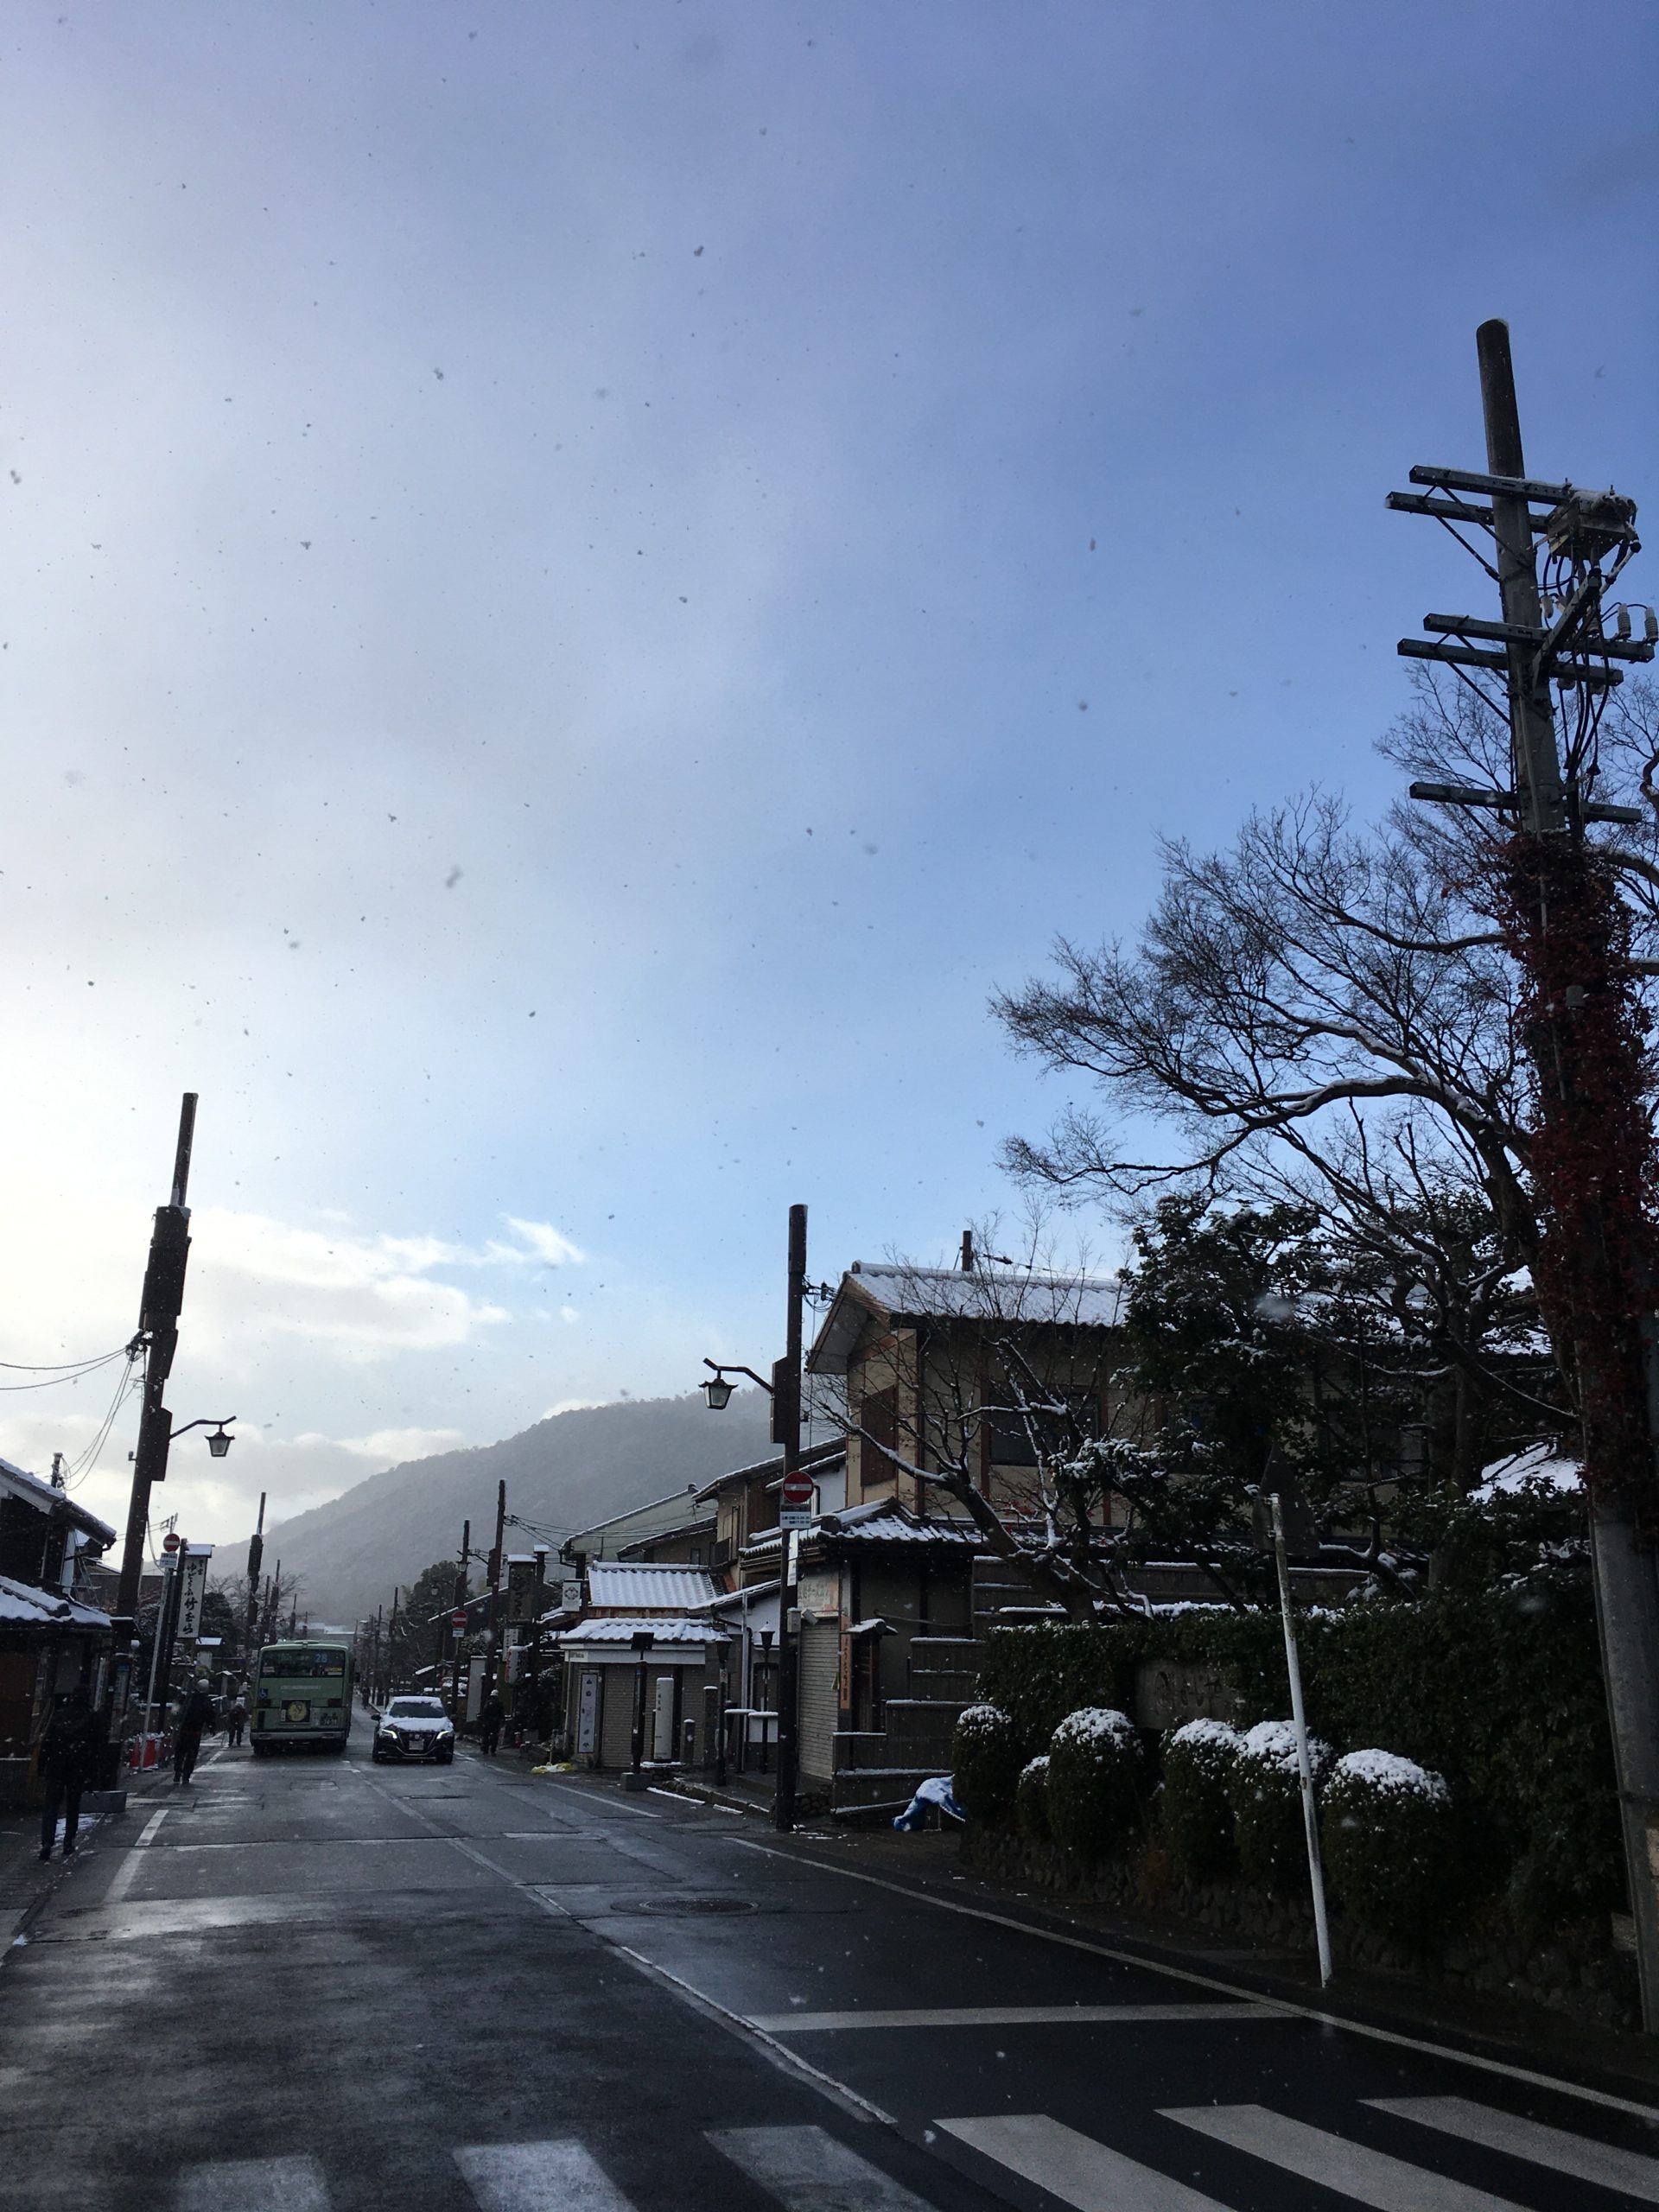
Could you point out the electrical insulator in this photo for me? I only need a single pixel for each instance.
(1650, 627)
(1622, 625)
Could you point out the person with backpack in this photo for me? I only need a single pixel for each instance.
(68, 1758)
(199, 1713)
(489, 1724)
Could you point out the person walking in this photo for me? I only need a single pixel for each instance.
(68, 1755)
(239, 1719)
(199, 1713)
(489, 1724)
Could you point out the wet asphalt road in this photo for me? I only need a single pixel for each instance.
(318, 1985)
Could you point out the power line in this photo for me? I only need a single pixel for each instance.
(50, 1382)
(56, 1367)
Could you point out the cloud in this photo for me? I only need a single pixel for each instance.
(390, 1447)
(545, 1242)
(357, 1297)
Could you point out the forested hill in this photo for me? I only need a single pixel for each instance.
(566, 1473)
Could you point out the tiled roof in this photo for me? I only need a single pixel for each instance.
(813, 1456)
(47, 1499)
(1004, 1296)
(643, 1587)
(662, 1631)
(882, 1522)
(22, 1605)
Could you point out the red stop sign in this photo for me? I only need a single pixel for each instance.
(171, 1541)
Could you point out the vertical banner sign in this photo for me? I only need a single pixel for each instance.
(194, 1590)
(570, 1597)
(524, 1590)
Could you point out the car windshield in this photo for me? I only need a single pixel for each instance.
(416, 1708)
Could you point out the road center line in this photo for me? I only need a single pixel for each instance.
(1005, 2016)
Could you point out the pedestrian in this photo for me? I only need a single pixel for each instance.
(69, 1756)
(199, 1713)
(489, 1724)
(239, 1719)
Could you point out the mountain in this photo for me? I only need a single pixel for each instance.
(565, 1473)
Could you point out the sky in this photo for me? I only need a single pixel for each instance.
(578, 584)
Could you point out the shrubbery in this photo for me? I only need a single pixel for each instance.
(1031, 1800)
(1195, 1819)
(1390, 1848)
(1265, 1794)
(1095, 1789)
(985, 1762)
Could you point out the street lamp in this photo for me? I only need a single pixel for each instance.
(718, 1391)
(222, 1440)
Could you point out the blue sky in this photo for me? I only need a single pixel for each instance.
(580, 582)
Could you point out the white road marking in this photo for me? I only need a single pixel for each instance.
(121, 1880)
(1310, 2012)
(808, 2170)
(1075, 2168)
(1633, 2171)
(1004, 2015)
(253, 2185)
(556, 2177)
(1368, 2177)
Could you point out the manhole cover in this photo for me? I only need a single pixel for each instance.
(672, 1904)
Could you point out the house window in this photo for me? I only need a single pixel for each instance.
(1018, 1439)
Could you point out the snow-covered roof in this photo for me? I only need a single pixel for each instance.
(1537, 1462)
(996, 1296)
(661, 1631)
(739, 1601)
(47, 1499)
(882, 1521)
(642, 1586)
(22, 1605)
(815, 1457)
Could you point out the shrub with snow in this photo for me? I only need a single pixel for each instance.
(1195, 1820)
(1095, 1792)
(985, 1761)
(1031, 1800)
(1265, 1793)
(1389, 1847)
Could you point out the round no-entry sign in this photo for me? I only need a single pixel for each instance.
(798, 1491)
(171, 1541)
(458, 1621)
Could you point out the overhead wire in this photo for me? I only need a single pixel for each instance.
(50, 1382)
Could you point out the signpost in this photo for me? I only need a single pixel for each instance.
(795, 1509)
(458, 1623)
(196, 1557)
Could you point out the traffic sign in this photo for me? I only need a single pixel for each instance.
(796, 1504)
(458, 1622)
(171, 1541)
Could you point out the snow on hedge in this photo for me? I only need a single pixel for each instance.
(983, 1721)
(1094, 1724)
(1204, 1736)
(1273, 1743)
(1539, 1466)
(1034, 1771)
(1390, 1775)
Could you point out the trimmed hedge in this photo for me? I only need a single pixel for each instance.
(986, 1758)
(1031, 1800)
(1195, 1819)
(1499, 1690)
(1388, 1832)
(1094, 1787)
(1264, 1791)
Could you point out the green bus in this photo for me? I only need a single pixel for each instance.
(303, 1696)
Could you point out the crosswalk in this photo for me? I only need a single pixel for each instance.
(807, 2169)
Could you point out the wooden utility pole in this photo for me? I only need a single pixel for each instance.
(256, 1556)
(158, 1325)
(495, 1585)
(1595, 1263)
(786, 1422)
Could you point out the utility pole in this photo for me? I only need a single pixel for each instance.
(495, 1585)
(256, 1556)
(158, 1322)
(460, 1606)
(1596, 1265)
(786, 1423)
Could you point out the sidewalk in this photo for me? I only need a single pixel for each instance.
(26, 1880)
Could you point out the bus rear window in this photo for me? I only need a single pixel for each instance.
(289, 1665)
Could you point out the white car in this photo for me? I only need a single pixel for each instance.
(415, 1728)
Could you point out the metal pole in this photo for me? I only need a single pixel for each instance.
(788, 1415)
(1304, 1763)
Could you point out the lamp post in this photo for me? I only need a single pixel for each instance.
(641, 1640)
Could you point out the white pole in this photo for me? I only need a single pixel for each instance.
(156, 1644)
(1304, 1765)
